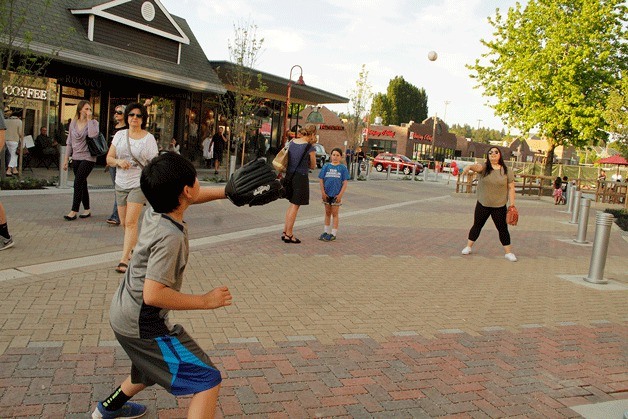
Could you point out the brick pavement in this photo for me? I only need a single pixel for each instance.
(389, 320)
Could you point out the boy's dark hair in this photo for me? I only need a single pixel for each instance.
(163, 180)
(336, 149)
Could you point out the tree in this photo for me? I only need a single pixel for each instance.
(359, 99)
(551, 66)
(616, 115)
(402, 102)
(20, 26)
(380, 107)
(407, 102)
(246, 86)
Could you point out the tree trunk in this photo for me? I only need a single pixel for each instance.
(549, 160)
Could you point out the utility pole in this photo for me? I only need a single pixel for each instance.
(447, 102)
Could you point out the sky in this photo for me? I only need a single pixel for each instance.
(331, 39)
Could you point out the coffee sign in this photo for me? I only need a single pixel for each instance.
(26, 92)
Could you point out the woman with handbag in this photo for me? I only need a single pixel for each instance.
(81, 127)
(131, 149)
(301, 158)
(496, 186)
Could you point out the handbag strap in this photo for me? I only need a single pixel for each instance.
(307, 148)
(128, 143)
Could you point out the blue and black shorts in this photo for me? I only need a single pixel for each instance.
(174, 361)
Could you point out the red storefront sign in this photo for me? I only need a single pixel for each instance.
(423, 137)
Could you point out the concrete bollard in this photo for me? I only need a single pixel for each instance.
(585, 204)
(570, 197)
(413, 172)
(425, 170)
(388, 173)
(63, 174)
(576, 208)
(603, 222)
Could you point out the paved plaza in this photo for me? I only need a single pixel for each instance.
(390, 320)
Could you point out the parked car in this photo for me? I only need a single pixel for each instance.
(385, 160)
(321, 156)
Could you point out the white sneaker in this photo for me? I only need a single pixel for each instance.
(6, 243)
(511, 257)
(466, 251)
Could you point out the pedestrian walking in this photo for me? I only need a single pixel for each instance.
(118, 117)
(14, 135)
(333, 179)
(6, 240)
(301, 158)
(496, 187)
(162, 353)
(130, 151)
(217, 145)
(82, 126)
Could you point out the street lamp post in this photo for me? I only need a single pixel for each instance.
(300, 82)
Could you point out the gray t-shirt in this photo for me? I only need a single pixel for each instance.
(161, 255)
(493, 189)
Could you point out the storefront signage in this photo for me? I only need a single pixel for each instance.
(424, 137)
(332, 127)
(80, 81)
(26, 92)
(382, 133)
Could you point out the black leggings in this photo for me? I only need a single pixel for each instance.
(499, 218)
(81, 169)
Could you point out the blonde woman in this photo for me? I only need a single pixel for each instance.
(81, 127)
(301, 158)
(131, 149)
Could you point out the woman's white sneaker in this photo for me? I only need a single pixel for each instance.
(466, 251)
(511, 257)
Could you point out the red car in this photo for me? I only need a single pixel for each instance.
(385, 160)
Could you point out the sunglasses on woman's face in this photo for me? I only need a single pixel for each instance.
(493, 152)
(119, 112)
(135, 115)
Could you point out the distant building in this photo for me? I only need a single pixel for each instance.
(535, 149)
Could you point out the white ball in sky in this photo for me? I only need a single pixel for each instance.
(432, 55)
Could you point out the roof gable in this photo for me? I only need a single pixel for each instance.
(149, 16)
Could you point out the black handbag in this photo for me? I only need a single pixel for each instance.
(97, 145)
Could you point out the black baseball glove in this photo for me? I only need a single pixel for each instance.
(255, 183)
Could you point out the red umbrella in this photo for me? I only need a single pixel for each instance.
(617, 159)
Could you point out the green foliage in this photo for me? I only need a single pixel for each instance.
(14, 183)
(359, 98)
(402, 102)
(479, 135)
(551, 65)
(616, 114)
(407, 102)
(247, 86)
(621, 217)
(380, 107)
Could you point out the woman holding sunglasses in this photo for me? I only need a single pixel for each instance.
(496, 187)
(131, 149)
(118, 117)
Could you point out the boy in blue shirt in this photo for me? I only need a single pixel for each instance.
(333, 180)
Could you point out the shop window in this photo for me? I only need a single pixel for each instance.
(160, 119)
